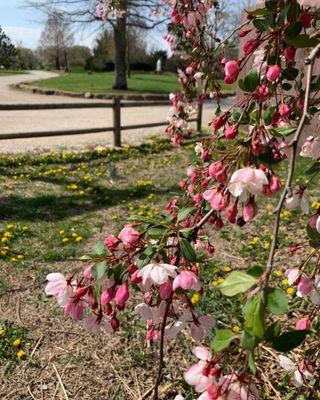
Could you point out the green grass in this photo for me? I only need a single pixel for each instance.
(8, 72)
(101, 82)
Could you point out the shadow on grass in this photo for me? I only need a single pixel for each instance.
(53, 207)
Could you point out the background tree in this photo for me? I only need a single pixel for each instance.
(7, 50)
(55, 40)
(143, 14)
(27, 58)
(78, 55)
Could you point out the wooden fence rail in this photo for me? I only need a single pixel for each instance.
(116, 106)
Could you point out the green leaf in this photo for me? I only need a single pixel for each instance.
(99, 248)
(85, 257)
(286, 86)
(184, 212)
(240, 116)
(254, 312)
(187, 250)
(156, 231)
(249, 341)
(222, 339)
(261, 24)
(302, 41)
(315, 168)
(273, 331)
(256, 271)
(241, 85)
(276, 301)
(289, 340)
(294, 29)
(251, 80)
(314, 243)
(259, 11)
(290, 73)
(313, 234)
(99, 270)
(237, 282)
(283, 131)
(251, 363)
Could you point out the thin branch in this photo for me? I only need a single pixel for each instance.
(309, 61)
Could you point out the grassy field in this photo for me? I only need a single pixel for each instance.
(56, 206)
(101, 82)
(7, 73)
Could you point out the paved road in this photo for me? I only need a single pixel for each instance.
(43, 120)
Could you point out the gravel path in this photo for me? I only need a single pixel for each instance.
(43, 120)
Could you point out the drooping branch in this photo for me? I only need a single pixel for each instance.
(293, 145)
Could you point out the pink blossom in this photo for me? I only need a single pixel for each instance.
(275, 184)
(247, 181)
(231, 213)
(186, 280)
(197, 375)
(58, 286)
(284, 110)
(250, 46)
(87, 273)
(231, 132)
(91, 324)
(231, 70)
(297, 198)
(111, 242)
(311, 148)
(289, 53)
(249, 211)
(157, 273)
(303, 323)
(273, 72)
(263, 92)
(217, 171)
(74, 309)
(293, 274)
(309, 3)
(165, 289)
(218, 122)
(304, 287)
(107, 296)
(129, 235)
(122, 295)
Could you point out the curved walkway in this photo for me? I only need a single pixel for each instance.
(43, 120)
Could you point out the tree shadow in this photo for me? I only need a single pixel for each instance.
(50, 207)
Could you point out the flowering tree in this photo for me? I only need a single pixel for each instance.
(272, 124)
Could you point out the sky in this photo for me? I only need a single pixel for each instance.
(24, 27)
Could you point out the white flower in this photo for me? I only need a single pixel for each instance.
(157, 273)
(311, 148)
(57, 286)
(298, 199)
(247, 181)
(290, 367)
(198, 148)
(318, 224)
(309, 3)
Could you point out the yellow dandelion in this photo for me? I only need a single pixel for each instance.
(16, 342)
(285, 282)
(25, 228)
(220, 280)
(278, 273)
(20, 256)
(62, 232)
(227, 268)
(254, 240)
(74, 234)
(236, 328)
(266, 245)
(10, 226)
(114, 217)
(215, 283)
(13, 259)
(65, 240)
(78, 239)
(1, 332)
(290, 290)
(7, 234)
(20, 353)
(195, 298)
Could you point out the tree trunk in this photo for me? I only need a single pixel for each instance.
(120, 41)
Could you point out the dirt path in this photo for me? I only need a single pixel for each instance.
(43, 120)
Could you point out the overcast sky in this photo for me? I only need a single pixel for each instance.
(24, 27)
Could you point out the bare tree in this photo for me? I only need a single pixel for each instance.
(55, 40)
(144, 14)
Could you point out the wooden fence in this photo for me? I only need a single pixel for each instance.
(117, 127)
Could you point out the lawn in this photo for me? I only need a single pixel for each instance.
(56, 206)
(101, 82)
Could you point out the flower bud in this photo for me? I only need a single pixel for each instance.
(122, 295)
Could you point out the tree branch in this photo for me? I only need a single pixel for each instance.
(309, 61)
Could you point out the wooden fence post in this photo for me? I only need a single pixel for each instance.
(199, 118)
(116, 121)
